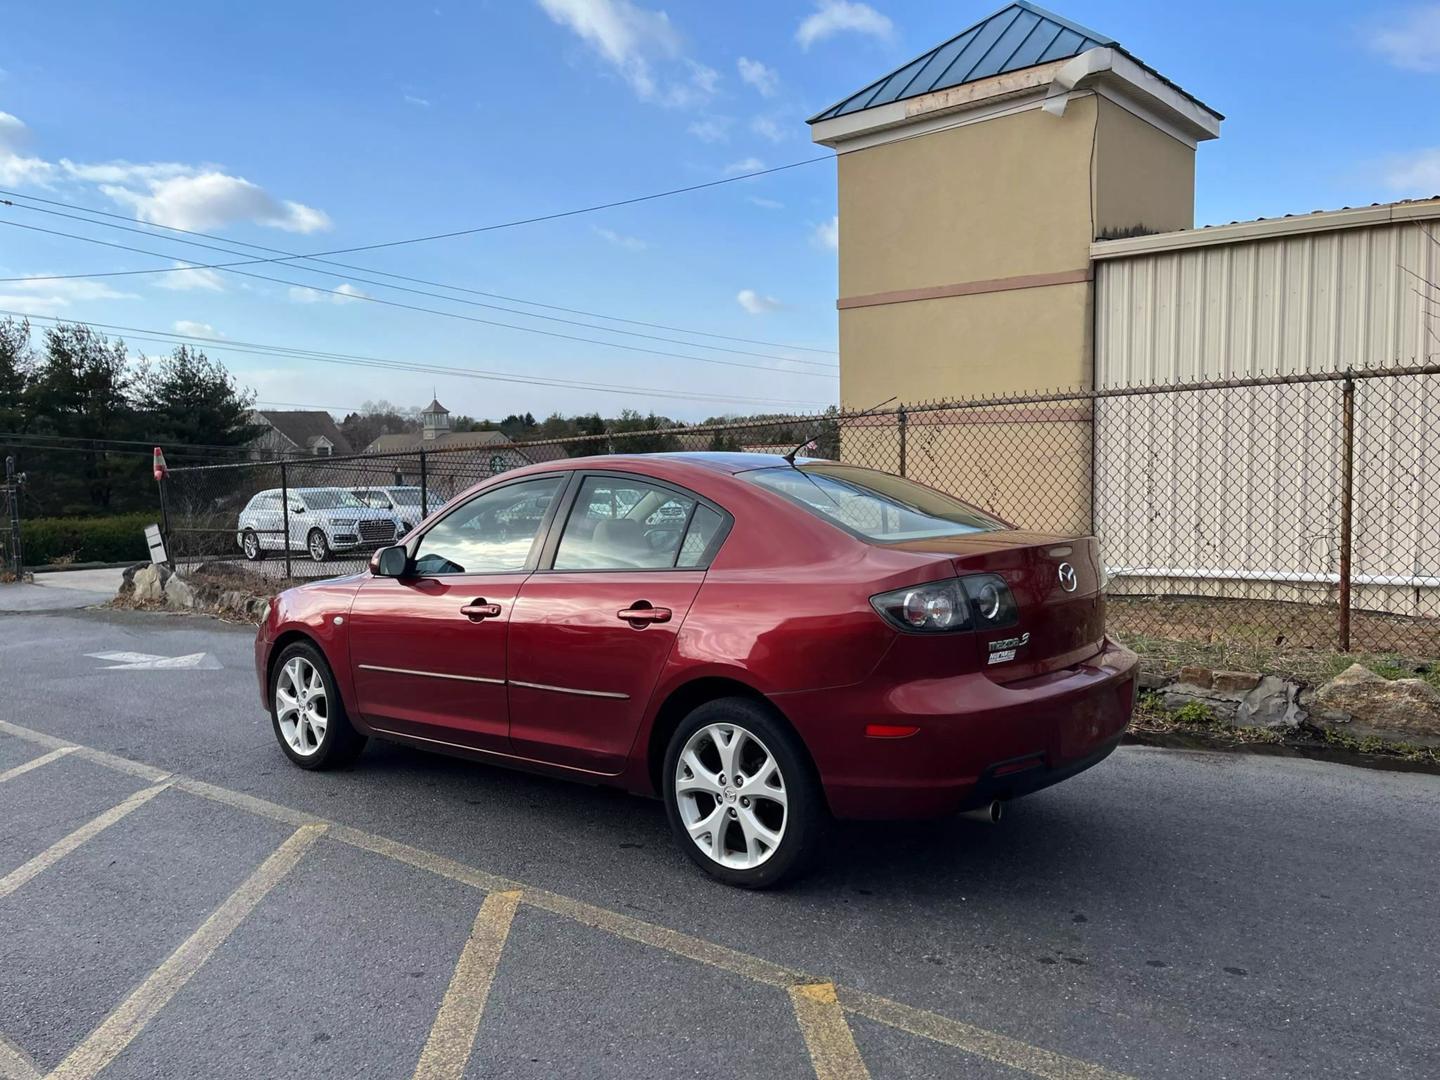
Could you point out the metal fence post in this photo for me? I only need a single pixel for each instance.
(424, 487)
(12, 496)
(903, 419)
(285, 512)
(1347, 503)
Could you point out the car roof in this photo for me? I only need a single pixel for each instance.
(715, 460)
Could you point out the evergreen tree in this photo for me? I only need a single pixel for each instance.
(187, 398)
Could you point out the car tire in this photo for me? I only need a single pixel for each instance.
(318, 545)
(250, 545)
(750, 813)
(306, 712)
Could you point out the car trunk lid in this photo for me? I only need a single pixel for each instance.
(1056, 583)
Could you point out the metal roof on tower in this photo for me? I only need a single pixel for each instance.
(1019, 36)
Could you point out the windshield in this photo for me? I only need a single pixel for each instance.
(329, 499)
(405, 496)
(874, 505)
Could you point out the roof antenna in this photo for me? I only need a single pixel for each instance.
(790, 457)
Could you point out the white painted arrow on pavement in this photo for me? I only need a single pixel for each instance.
(139, 661)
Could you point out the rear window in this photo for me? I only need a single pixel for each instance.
(874, 505)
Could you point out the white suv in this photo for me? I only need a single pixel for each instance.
(400, 500)
(322, 521)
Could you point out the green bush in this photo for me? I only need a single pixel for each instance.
(120, 538)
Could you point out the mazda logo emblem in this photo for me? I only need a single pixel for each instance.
(1066, 574)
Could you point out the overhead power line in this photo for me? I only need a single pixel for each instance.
(167, 337)
(290, 255)
(228, 267)
(432, 311)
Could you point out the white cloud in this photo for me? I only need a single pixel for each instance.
(190, 279)
(629, 243)
(767, 204)
(642, 46)
(17, 169)
(44, 297)
(211, 200)
(1413, 41)
(196, 329)
(1414, 174)
(347, 294)
(756, 304)
(753, 73)
(411, 99)
(712, 129)
(767, 127)
(744, 165)
(833, 17)
(827, 234)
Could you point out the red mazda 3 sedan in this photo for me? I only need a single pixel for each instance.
(764, 645)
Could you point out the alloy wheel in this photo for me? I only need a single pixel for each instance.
(301, 706)
(731, 796)
(252, 546)
(318, 548)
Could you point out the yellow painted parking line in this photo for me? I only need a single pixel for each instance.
(35, 763)
(827, 1035)
(66, 844)
(973, 1040)
(15, 1064)
(99, 757)
(966, 1037)
(447, 1050)
(119, 1029)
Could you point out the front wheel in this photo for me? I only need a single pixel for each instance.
(741, 794)
(318, 545)
(306, 711)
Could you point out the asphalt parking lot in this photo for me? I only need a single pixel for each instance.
(178, 900)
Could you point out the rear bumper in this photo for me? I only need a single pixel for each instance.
(977, 740)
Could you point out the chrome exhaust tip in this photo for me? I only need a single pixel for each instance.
(989, 814)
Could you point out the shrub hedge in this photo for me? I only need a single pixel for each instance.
(119, 538)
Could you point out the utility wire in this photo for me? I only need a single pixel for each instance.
(166, 337)
(433, 311)
(288, 255)
(830, 367)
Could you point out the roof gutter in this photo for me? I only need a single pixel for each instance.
(1113, 72)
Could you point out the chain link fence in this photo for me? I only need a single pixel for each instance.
(1298, 512)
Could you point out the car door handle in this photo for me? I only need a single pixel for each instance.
(641, 614)
(480, 610)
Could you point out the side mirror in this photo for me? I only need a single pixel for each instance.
(391, 562)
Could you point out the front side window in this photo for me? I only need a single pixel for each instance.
(874, 505)
(623, 525)
(329, 499)
(491, 533)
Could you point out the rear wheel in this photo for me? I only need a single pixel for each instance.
(250, 545)
(318, 545)
(306, 711)
(742, 798)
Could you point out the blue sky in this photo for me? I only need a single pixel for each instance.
(317, 126)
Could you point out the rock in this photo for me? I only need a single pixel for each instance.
(1232, 682)
(179, 594)
(1152, 680)
(1400, 710)
(1195, 675)
(147, 585)
(1255, 701)
(1271, 703)
(127, 578)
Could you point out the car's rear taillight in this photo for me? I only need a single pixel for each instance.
(980, 601)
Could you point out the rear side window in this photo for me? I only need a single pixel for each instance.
(624, 525)
(700, 537)
(874, 505)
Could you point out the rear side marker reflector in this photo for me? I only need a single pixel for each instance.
(890, 731)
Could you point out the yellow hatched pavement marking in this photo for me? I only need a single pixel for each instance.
(66, 844)
(827, 1035)
(119, 1029)
(15, 1064)
(453, 1034)
(35, 763)
(965, 1037)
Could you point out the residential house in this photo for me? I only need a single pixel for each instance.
(291, 433)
